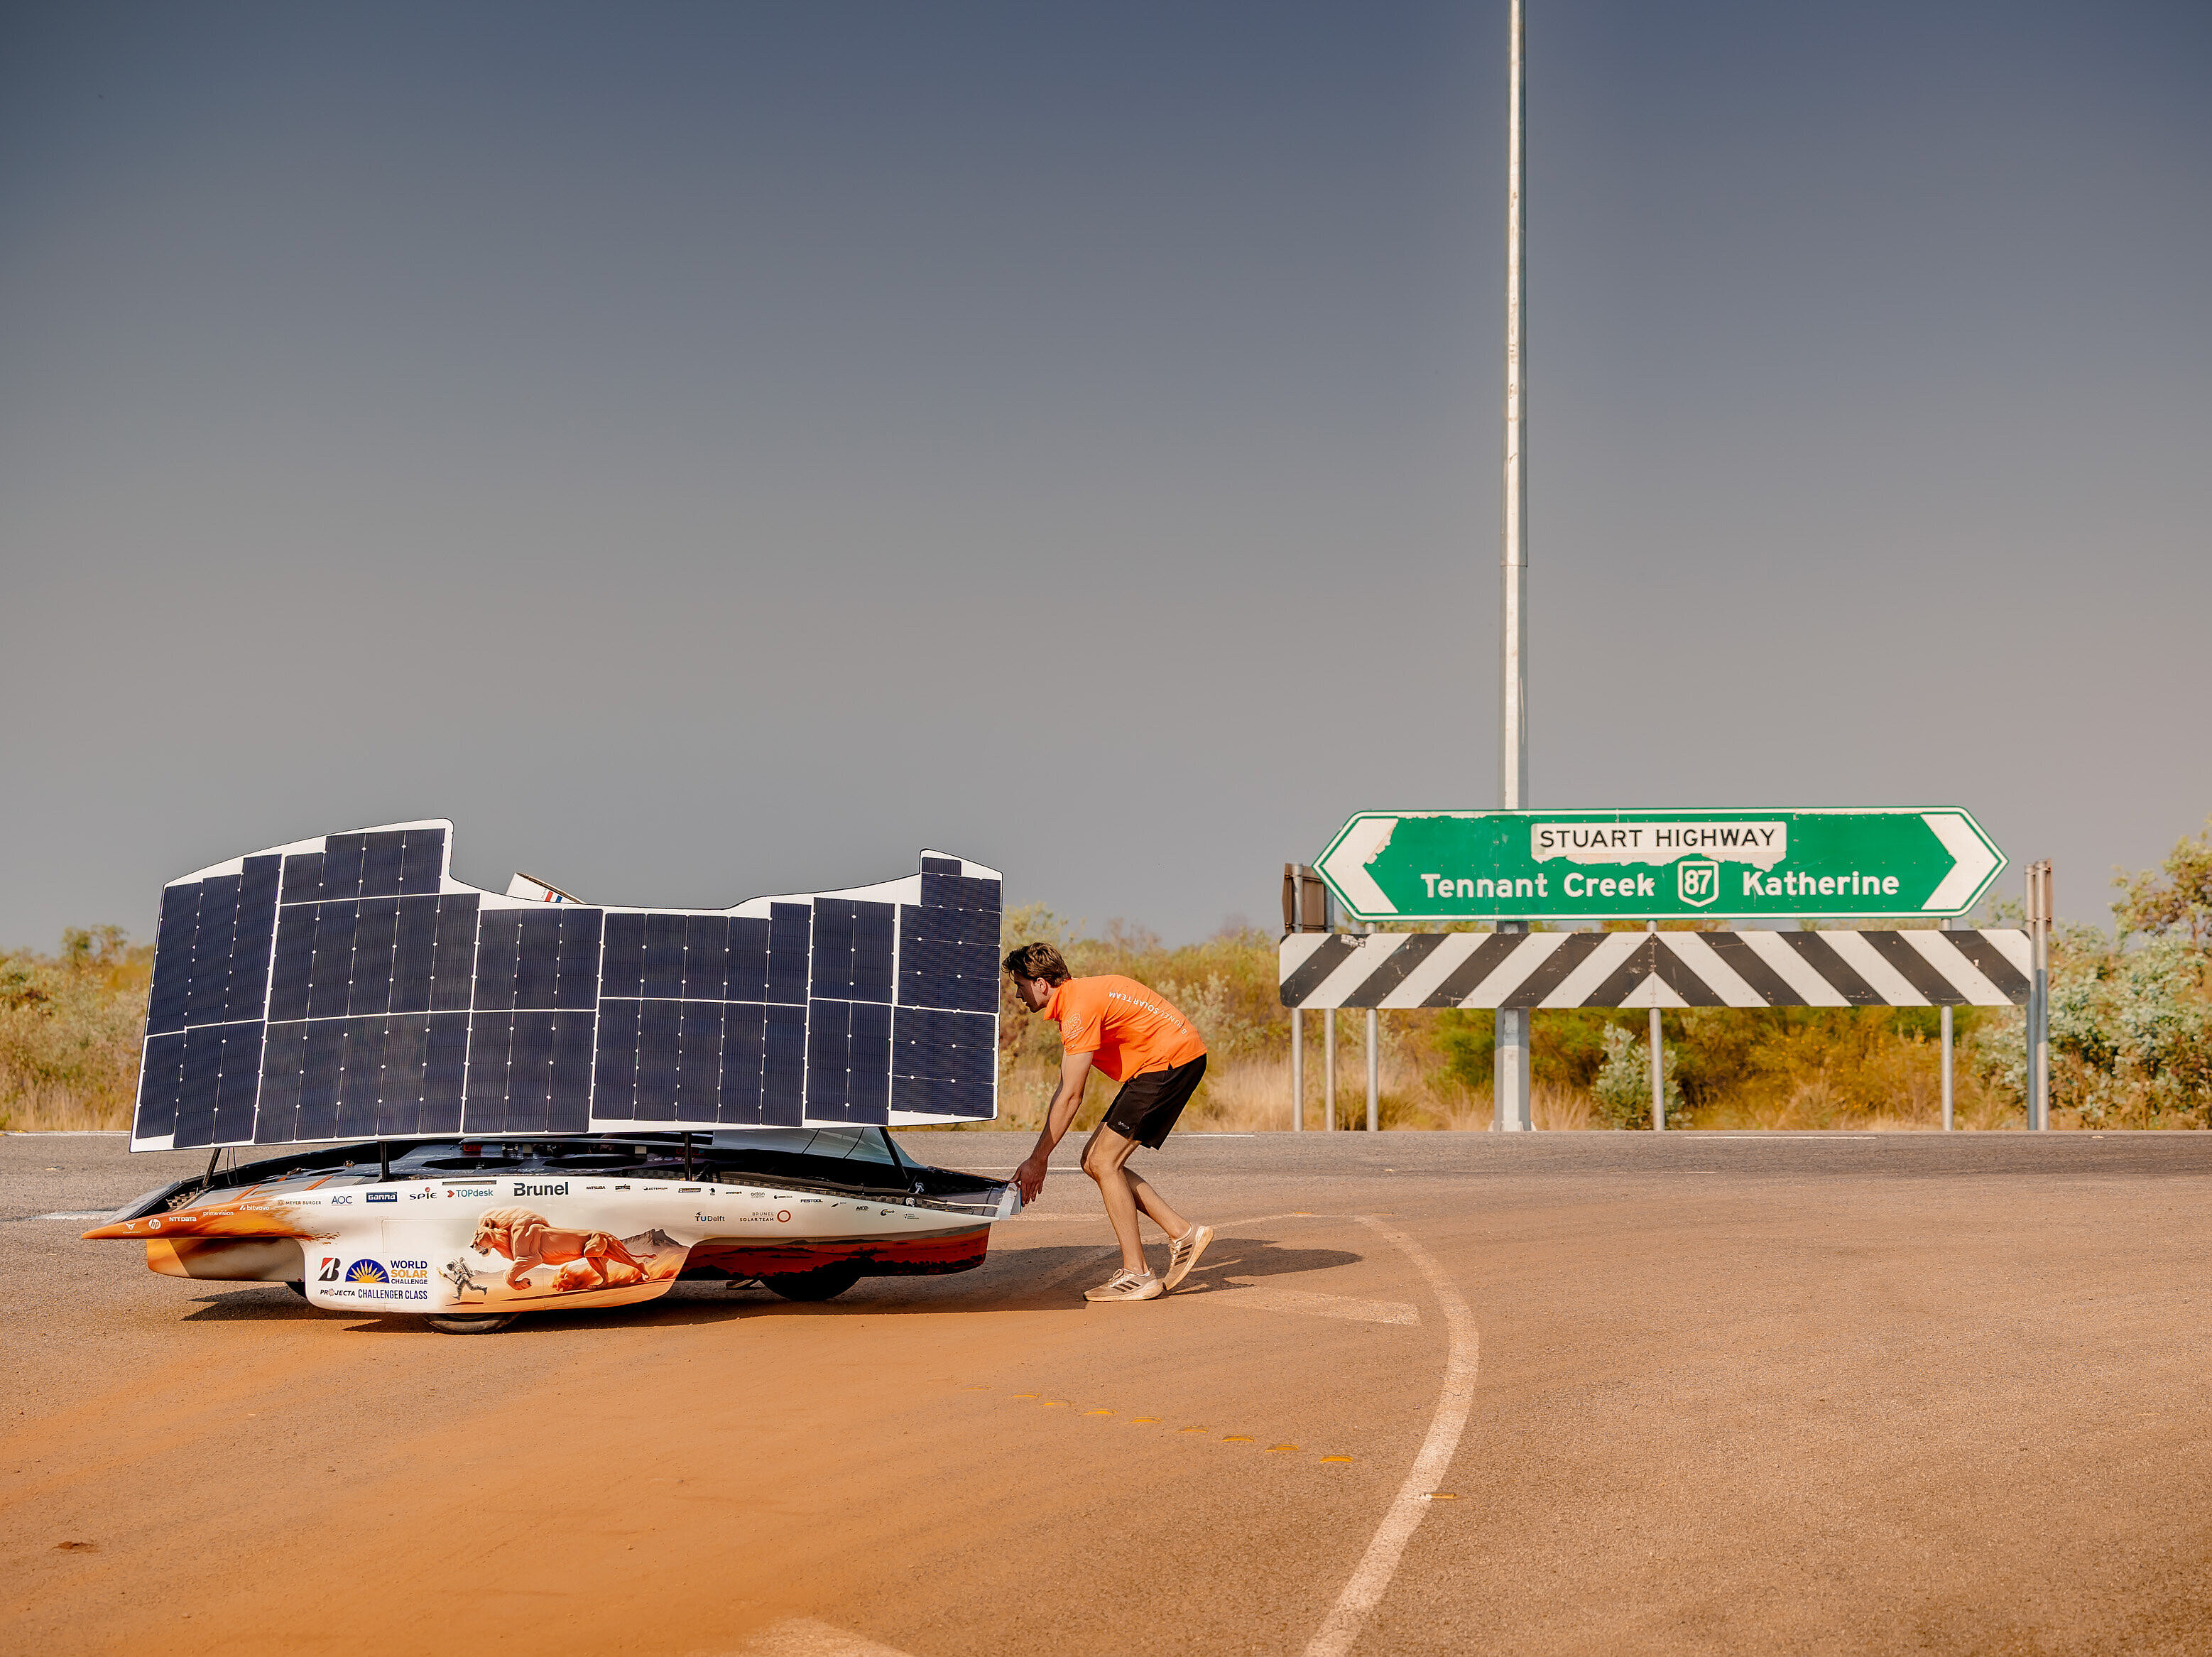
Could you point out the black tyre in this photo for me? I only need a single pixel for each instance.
(481, 1323)
(300, 1289)
(823, 1283)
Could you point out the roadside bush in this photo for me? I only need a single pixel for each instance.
(70, 1029)
(1622, 1088)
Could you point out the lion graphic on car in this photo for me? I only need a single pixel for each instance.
(586, 1259)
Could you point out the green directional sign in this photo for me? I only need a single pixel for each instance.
(1638, 865)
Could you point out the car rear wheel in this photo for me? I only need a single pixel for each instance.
(823, 1283)
(469, 1325)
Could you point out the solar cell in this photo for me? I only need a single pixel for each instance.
(347, 988)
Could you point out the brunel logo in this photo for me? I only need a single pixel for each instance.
(523, 1188)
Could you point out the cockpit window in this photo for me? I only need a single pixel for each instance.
(836, 1144)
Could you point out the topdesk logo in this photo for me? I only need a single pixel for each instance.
(1698, 879)
(523, 1188)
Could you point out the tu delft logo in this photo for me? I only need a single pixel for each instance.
(1698, 879)
(367, 1272)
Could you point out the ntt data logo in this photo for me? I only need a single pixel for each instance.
(367, 1272)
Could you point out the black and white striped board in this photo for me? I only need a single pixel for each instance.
(1915, 968)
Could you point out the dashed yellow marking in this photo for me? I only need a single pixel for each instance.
(1235, 1438)
(1024, 1395)
(1055, 1403)
(1441, 1495)
(1144, 1421)
(1274, 1448)
(1336, 1457)
(1194, 1430)
(1097, 1412)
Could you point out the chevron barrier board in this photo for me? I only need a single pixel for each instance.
(1646, 865)
(1916, 968)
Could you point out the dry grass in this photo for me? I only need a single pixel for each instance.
(69, 1025)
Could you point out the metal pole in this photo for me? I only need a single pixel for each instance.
(1948, 926)
(1946, 1069)
(1329, 1070)
(1297, 1070)
(1374, 1070)
(1510, 1076)
(2040, 908)
(1658, 1053)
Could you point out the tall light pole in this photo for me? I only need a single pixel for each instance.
(1510, 1076)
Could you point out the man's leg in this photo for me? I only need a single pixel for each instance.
(1122, 1192)
(1155, 1205)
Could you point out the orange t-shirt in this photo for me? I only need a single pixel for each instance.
(1131, 1028)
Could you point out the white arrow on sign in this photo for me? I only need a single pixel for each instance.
(1975, 862)
(1346, 865)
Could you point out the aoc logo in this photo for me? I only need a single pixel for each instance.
(367, 1272)
(384, 1197)
(523, 1188)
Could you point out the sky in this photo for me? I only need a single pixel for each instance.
(718, 449)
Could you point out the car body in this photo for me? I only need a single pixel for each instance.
(466, 1230)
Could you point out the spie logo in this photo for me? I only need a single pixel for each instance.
(1698, 879)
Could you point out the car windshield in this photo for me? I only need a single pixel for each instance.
(840, 1144)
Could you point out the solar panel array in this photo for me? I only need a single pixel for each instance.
(347, 988)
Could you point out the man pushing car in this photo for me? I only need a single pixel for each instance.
(1137, 1038)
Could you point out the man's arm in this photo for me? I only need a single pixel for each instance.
(1074, 1071)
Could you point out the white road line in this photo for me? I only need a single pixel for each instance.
(89, 1214)
(1380, 1563)
(1261, 1298)
(803, 1636)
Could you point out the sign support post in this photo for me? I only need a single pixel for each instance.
(1946, 1057)
(1510, 1073)
(1373, 1068)
(2040, 905)
(1305, 909)
(1658, 1062)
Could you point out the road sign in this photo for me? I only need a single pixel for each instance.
(1636, 865)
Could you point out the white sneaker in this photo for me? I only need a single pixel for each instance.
(1127, 1285)
(1183, 1253)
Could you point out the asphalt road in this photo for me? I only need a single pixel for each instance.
(1689, 1393)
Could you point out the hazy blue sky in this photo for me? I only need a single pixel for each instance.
(712, 449)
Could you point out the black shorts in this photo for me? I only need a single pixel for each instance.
(1147, 1106)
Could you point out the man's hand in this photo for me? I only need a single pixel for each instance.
(1030, 1178)
(1059, 1115)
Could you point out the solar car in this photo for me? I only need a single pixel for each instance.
(418, 1097)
